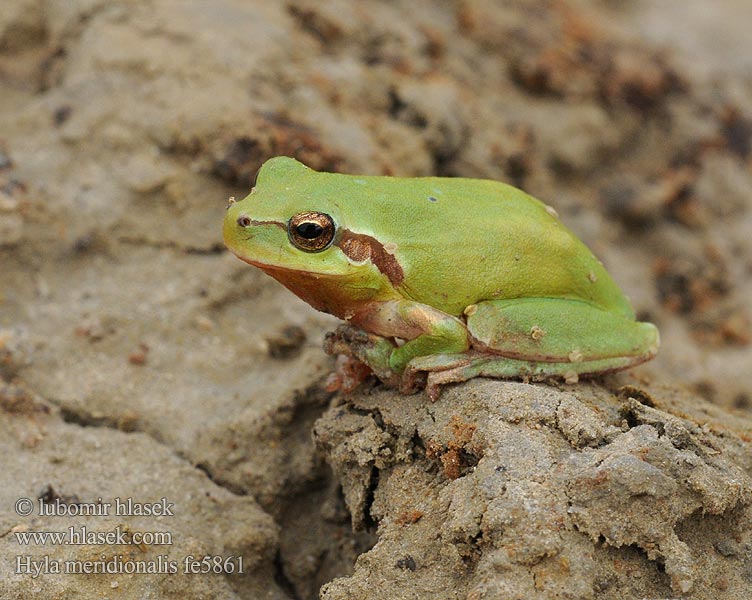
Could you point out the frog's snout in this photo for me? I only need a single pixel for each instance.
(235, 227)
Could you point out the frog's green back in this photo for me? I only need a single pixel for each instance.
(458, 241)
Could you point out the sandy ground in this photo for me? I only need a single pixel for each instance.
(139, 360)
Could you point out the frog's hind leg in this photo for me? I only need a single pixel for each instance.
(559, 330)
(538, 339)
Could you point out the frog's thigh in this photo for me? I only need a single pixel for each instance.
(558, 330)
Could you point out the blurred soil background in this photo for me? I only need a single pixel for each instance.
(139, 359)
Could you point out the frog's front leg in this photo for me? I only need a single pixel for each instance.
(427, 331)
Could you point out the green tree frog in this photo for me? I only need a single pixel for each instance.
(439, 279)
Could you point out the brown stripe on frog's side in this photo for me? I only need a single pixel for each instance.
(360, 247)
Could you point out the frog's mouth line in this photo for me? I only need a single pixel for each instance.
(270, 269)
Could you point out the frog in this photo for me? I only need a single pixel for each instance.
(438, 279)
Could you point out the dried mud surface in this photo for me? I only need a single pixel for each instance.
(506, 490)
(138, 359)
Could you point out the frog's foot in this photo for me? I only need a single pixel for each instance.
(436, 370)
(356, 345)
(421, 371)
(454, 368)
(348, 374)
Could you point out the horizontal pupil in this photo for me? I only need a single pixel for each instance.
(309, 230)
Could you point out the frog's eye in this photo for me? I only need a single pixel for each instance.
(311, 231)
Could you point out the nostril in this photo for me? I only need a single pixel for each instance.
(244, 221)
